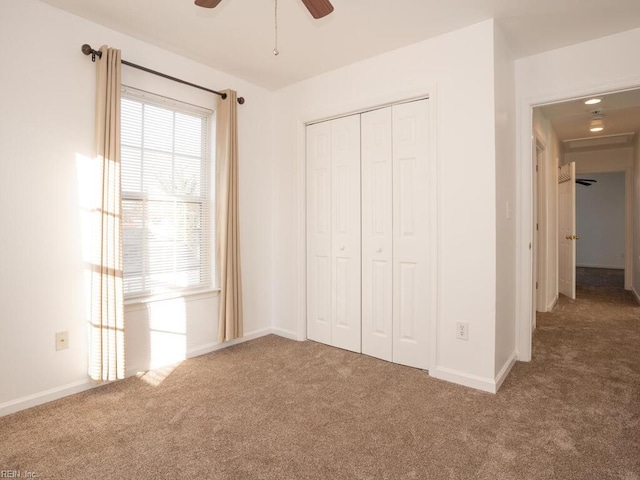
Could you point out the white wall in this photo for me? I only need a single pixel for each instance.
(456, 71)
(46, 130)
(600, 219)
(553, 76)
(602, 160)
(505, 114)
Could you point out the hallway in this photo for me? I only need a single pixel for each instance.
(586, 368)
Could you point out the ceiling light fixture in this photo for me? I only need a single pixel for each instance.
(592, 101)
(596, 124)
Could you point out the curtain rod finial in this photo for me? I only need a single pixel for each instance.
(87, 50)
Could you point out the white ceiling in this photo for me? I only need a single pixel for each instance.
(620, 112)
(238, 35)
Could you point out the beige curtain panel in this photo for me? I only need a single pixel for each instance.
(106, 347)
(230, 313)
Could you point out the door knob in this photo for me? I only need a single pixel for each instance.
(572, 237)
(568, 237)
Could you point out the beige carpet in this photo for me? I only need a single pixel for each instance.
(278, 409)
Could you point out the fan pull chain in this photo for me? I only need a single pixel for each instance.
(276, 52)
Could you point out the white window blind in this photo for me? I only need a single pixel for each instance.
(166, 197)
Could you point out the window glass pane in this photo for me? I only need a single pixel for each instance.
(131, 123)
(158, 128)
(131, 161)
(187, 176)
(188, 140)
(133, 236)
(157, 175)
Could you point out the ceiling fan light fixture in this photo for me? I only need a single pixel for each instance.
(592, 101)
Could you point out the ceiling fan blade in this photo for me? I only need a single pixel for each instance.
(318, 8)
(583, 182)
(207, 3)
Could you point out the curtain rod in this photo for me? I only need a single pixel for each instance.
(87, 50)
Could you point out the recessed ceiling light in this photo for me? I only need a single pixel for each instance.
(592, 101)
(596, 129)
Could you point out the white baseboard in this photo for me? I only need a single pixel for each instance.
(281, 332)
(212, 347)
(614, 267)
(553, 304)
(45, 396)
(56, 393)
(635, 294)
(504, 371)
(465, 379)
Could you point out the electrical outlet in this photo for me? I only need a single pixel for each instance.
(62, 340)
(462, 331)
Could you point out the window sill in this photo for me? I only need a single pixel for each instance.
(189, 295)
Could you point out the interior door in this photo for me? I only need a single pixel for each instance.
(377, 272)
(345, 243)
(410, 234)
(567, 230)
(319, 232)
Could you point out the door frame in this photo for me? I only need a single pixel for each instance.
(540, 218)
(525, 165)
(628, 216)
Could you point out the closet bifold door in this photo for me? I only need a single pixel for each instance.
(333, 233)
(319, 256)
(346, 246)
(377, 245)
(411, 293)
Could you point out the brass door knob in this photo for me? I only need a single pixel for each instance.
(572, 237)
(568, 237)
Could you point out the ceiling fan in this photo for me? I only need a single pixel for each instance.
(587, 182)
(317, 8)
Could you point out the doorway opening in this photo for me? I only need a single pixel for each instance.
(599, 242)
(600, 223)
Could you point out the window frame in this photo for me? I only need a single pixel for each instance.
(207, 179)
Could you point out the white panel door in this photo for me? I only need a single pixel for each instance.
(319, 256)
(410, 234)
(377, 272)
(567, 230)
(345, 211)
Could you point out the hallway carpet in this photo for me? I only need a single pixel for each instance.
(600, 277)
(273, 408)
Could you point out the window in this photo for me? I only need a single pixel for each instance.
(166, 195)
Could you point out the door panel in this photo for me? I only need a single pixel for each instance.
(377, 271)
(406, 292)
(319, 258)
(567, 230)
(345, 242)
(410, 234)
